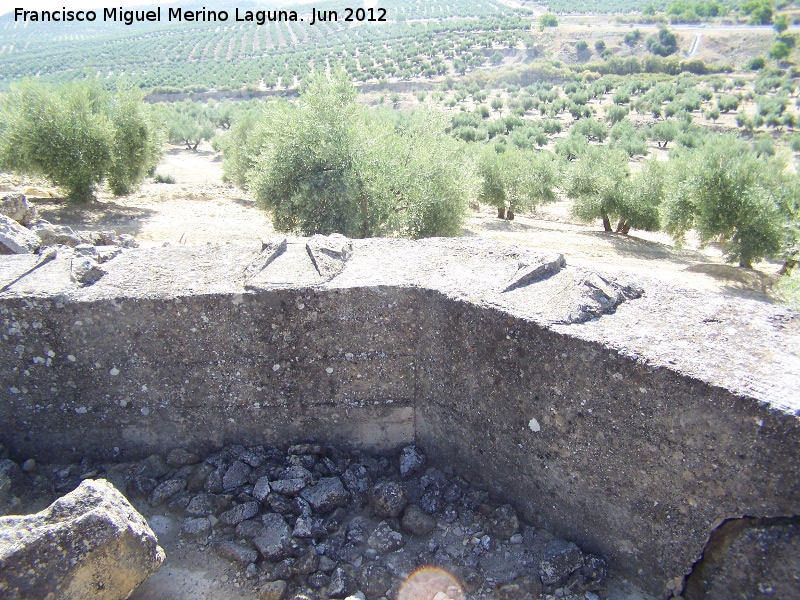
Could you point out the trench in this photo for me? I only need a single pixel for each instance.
(634, 463)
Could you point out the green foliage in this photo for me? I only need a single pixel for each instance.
(682, 11)
(727, 102)
(781, 23)
(712, 114)
(664, 45)
(581, 46)
(615, 114)
(600, 46)
(728, 194)
(328, 165)
(188, 125)
(631, 38)
(626, 137)
(778, 51)
(515, 179)
(602, 187)
(756, 63)
(590, 129)
(763, 145)
(621, 96)
(78, 135)
(548, 20)
(664, 132)
(760, 11)
(136, 141)
(163, 178)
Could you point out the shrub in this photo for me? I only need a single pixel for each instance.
(615, 114)
(632, 37)
(779, 51)
(159, 178)
(723, 190)
(328, 165)
(600, 46)
(548, 20)
(581, 46)
(78, 135)
(590, 129)
(756, 63)
(727, 102)
(664, 45)
(516, 180)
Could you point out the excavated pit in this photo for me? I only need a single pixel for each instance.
(626, 417)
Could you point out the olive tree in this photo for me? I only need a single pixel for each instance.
(326, 164)
(602, 186)
(727, 194)
(78, 135)
(515, 180)
(596, 182)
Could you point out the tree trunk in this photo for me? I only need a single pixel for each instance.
(194, 148)
(606, 223)
(501, 212)
(626, 229)
(510, 214)
(620, 225)
(364, 202)
(786, 268)
(745, 264)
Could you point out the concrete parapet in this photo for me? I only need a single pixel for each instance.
(627, 416)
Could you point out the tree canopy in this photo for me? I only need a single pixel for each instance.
(326, 164)
(79, 135)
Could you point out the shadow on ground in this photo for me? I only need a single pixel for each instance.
(635, 247)
(94, 215)
(740, 279)
(503, 225)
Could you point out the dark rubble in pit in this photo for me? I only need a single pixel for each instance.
(316, 522)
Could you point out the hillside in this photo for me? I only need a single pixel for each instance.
(418, 41)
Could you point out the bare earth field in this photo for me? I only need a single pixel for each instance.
(198, 209)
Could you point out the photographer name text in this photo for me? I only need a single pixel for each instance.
(180, 15)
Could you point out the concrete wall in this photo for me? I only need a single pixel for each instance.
(627, 457)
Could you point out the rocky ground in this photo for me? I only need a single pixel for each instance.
(312, 522)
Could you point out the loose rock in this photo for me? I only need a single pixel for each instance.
(411, 461)
(560, 560)
(239, 513)
(16, 239)
(416, 521)
(90, 543)
(166, 490)
(237, 552)
(385, 539)
(326, 495)
(16, 207)
(180, 458)
(200, 527)
(273, 590)
(388, 499)
(273, 543)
